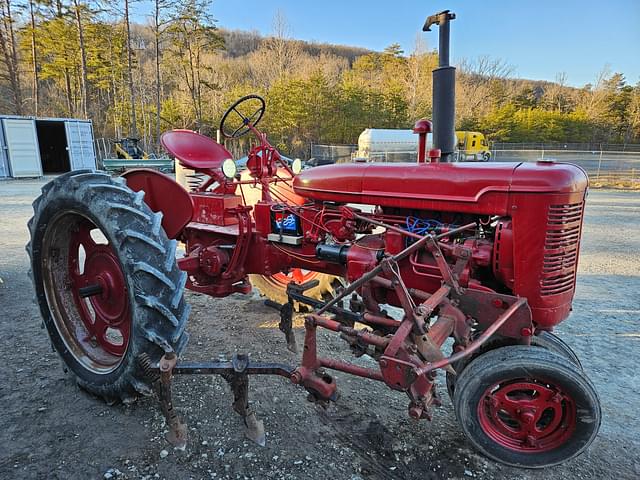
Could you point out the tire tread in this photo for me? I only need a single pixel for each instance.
(147, 258)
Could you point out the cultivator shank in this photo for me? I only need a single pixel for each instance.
(235, 372)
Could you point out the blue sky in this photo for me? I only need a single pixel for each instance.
(538, 38)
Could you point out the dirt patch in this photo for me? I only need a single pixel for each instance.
(49, 428)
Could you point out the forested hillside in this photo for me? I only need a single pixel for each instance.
(178, 68)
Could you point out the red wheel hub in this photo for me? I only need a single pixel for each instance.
(295, 274)
(527, 415)
(105, 314)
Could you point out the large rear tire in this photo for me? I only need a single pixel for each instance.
(527, 407)
(106, 281)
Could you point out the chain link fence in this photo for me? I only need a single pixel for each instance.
(562, 146)
(327, 154)
(606, 164)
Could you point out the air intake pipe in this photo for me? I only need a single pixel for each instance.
(444, 89)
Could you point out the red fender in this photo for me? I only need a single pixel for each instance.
(163, 194)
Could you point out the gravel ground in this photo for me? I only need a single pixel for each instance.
(51, 429)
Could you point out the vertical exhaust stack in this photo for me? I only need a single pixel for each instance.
(444, 89)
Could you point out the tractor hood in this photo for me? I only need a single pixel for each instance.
(476, 187)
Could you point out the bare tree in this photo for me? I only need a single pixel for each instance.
(479, 81)
(418, 84)
(284, 50)
(484, 68)
(593, 98)
(193, 34)
(34, 58)
(59, 9)
(132, 93)
(556, 93)
(77, 13)
(9, 53)
(159, 24)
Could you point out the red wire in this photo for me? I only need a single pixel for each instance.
(295, 255)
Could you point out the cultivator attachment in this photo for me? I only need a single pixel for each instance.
(236, 373)
(408, 351)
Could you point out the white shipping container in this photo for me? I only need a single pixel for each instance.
(32, 147)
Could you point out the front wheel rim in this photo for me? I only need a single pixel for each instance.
(527, 416)
(77, 256)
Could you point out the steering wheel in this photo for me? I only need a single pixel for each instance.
(246, 112)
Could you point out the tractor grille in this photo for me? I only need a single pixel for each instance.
(561, 248)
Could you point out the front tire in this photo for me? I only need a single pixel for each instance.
(527, 407)
(106, 281)
(543, 339)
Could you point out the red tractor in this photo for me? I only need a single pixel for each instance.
(485, 254)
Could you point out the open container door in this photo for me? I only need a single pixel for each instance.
(80, 144)
(22, 147)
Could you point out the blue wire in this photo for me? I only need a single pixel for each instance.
(422, 226)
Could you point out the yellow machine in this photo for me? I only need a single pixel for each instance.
(129, 149)
(472, 146)
(129, 155)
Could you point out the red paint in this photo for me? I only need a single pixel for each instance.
(434, 155)
(350, 369)
(215, 209)
(307, 373)
(164, 195)
(263, 161)
(422, 128)
(480, 188)
(526, 332)
(527, 416)
(297, 275)
(545, 259)
(193, 150)
(530, 257)
(106, 310)
(533, 242)
(502, 253)
(485, 253)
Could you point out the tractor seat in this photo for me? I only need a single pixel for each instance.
(193, 150)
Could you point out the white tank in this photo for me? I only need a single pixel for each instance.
(386, 144)
(391, 145)
(387, 140)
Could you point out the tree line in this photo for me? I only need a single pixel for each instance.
(137, 68)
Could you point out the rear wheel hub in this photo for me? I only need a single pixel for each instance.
(93, 315)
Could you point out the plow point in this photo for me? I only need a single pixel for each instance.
(255, 429)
